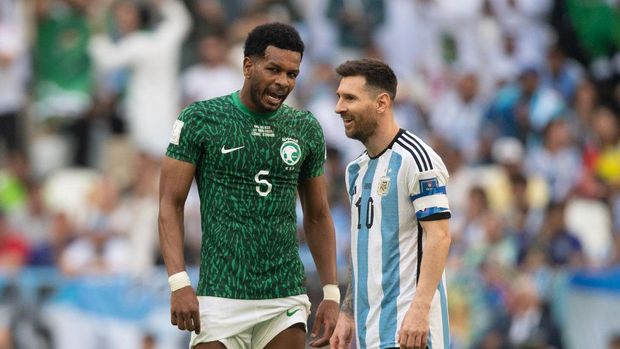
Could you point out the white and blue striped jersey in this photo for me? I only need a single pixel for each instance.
(389, 195)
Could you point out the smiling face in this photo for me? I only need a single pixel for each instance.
(357, 107)
(271, 78)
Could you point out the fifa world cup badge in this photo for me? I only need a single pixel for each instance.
(384, 186)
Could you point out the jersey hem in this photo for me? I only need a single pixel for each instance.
(181, 157)
(210, 293)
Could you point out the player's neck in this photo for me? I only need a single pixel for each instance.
(246, 98)
(381, 139)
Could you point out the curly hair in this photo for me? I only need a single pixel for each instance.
(378, 74)
(280, 35)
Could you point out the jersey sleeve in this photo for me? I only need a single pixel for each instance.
(184, 141)
(313, 163)
(427, 192)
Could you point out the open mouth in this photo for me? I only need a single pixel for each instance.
(275, 97)
(347, 120)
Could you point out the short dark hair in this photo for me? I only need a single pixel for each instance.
(276, 34)
(377, 73)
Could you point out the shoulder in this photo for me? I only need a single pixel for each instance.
(207, 107)
(421, 156)
(355, 164)
(299, 114)
(303, 120)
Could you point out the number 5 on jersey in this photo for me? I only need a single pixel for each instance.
(264, 187)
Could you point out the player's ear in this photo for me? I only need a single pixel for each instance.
(248, 64)
(383, 102)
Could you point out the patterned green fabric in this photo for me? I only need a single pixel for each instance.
(247, 169)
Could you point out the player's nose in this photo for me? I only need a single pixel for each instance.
(340, 107)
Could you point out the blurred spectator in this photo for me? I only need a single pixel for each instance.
(604, 160)
(47, 252)
(98, 249)
(356, 21)
(403, 45)
(584, 104)
(526, 21)
(500, 246)
(14, 73)
(457, 116)
(558, 160)
(134, 216)
(531, 324)
(523, 110)
(153, 98)
(34, 218)
(561, 73)
(208, 19)
(562, 247)
(522, 218)
(508, 155)
(213, 76)
(462, 177)
(469, 231)
(277, 10)
(607, 162)
(14, 248)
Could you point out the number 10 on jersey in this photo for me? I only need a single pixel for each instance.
(370, 212)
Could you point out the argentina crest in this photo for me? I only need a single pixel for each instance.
(290, 152)
(384, 186)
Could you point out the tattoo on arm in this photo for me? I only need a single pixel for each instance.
(347, 303)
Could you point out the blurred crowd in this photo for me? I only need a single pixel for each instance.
(521, 98)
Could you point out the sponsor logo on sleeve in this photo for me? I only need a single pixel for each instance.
(176, 132)
(427, 185)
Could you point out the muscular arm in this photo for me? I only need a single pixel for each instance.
(176, 179)
(319, 227)
(415, 324)
(347, 302)
(321, 239)
(435, 254)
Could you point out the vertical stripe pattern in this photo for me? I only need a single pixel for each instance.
(390, 253)
(444, 313)
(362, 305)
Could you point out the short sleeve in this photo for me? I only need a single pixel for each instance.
(184, 143)
(314, 162)
(427, 191)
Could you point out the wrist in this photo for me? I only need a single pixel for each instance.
(420, 305)
(178, 281)
(331, 292)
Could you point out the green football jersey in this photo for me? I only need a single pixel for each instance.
(248, 166)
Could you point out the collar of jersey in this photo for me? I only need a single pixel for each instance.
(237, 102)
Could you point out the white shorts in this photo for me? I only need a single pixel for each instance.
(248, 324)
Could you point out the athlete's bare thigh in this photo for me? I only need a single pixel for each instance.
(293, 337)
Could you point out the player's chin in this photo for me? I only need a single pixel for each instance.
(350, 132)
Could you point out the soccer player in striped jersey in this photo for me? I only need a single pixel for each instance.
(250, 155)
(399, 222)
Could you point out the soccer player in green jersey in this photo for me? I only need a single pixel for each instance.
(250, 155)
